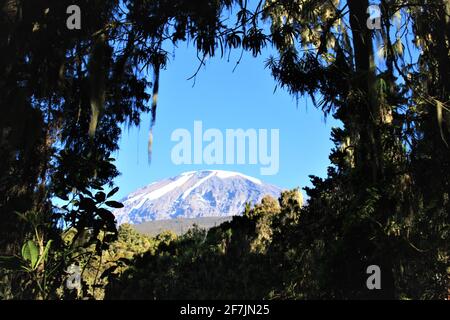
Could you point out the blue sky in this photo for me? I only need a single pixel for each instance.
(224, 99)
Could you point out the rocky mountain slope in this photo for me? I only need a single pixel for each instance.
(195, 194)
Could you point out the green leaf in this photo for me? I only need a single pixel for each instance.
(100, 196)
(44, 255)
(10, 263)
(439, 107)
(112, 192)
(114, 204)
(22, 216)
(96, 186)
(105, 214)
(30, 252)
(86, 191)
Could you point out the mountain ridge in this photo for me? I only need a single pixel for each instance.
(179, 226)
(194, 194)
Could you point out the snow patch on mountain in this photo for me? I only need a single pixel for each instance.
(194, 194)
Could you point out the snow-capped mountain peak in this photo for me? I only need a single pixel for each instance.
(194, 194)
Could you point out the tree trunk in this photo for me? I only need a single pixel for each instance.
(368, 111)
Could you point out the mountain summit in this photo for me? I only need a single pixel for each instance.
(194, 194)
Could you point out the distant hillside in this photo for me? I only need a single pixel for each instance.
(178, 225)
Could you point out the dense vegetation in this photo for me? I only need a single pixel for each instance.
(66, 94)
